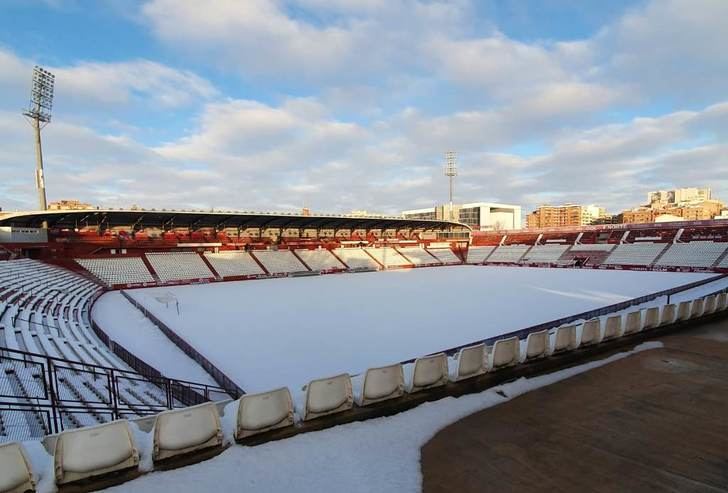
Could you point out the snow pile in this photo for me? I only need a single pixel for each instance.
(381, 455)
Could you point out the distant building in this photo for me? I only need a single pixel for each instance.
(481, 216)
(685, 204)
(550, 216)
(69, 205)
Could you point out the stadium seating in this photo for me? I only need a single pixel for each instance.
(328, 396)
(565, 339)
(182, 431)
(356, 258)
(506, 352)
(591, 332)
(418, 256)
(693, 254)
(508, 254)
(612, 327)
(15, 473)
(231, 264)
(477, 255)
(471, 362)
(380, 384)
(279, 261)
(178, 266)
(388, 257)
(537, 345)
(669, 312)
(267, 411)
(722, 302)
(544, 254)
(429, 372)
(593, 247)
(710, 304)
(94, 452)
(652, 318)
(121, 270)
(642, 254)
(320, 260)
(696, 310)
(445, 255)
(683, 311)
(633, 322)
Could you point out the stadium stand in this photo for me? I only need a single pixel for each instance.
(233, 264)
(115, 271)
(642, 254)
(508, 254)
(593, 247)
(356, 258)
(544, 253)
(178, 266)
(418, 256)
(445, 255)
(320, 260)
(723, 264)
(693, 254)
(388, 257)
(279, 261)
(477, 255)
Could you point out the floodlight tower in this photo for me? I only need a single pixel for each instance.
(451, 172)
(39, 114)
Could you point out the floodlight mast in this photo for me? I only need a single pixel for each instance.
(39, 114)
(451, 172)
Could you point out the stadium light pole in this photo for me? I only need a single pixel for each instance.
(451, 172)
(39, 115)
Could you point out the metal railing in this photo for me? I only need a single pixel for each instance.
(41, 394)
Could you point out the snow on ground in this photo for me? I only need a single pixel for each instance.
(284, 332)
(129, 327)
(381, 455)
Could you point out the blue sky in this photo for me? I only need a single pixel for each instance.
(344, 105)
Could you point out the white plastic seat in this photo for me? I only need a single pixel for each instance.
(506, 352)
(537, 344)
(668, 314)
(565, 339)
(93, 452)
(429, 371)
(328, 396)
(15, 473)
(471, 362)
(182, 431)
(265, 411)
(633, 323)
(721, 302)
(710, 304)
(591, 332)
(652, 318)
(683, 310)
(381, 384)
(613, 327)
(697, 308)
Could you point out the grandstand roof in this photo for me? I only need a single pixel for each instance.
(108, 218)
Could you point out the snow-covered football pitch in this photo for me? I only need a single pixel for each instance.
(270, 333)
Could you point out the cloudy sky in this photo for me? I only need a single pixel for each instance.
(350, 104)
